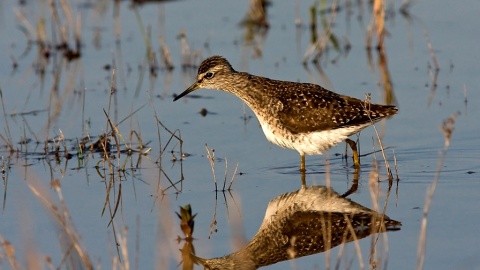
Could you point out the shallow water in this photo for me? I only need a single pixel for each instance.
(413, 138)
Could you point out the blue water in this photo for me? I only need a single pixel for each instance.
(413, 136)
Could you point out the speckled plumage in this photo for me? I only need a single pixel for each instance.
(301, 116)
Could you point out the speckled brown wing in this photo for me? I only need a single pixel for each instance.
(313, 108)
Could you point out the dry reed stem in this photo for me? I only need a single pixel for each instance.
(9, 253)
(465, 100)
(433, 74)
(211, 159)
(341, 250)
(67, 11)
(8, 140)
(123, 243)
(386, 246)
(113, 133)
(358, 249)
(172, 135)
(447, 128)
(5, 182)
(374, 196)
(165, 53)
(225, 174)
(61, 216)
(431, 50)
(379, 18)
(318, 45)
(214, 223)
(29, 29)
(165, 235)
(233, 177)
(185, 49)
(327, 240)
(382, 149)
(56, 20)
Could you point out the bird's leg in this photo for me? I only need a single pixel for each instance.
(354, 187)
(302, 163)
(303, 177)
(356, 158)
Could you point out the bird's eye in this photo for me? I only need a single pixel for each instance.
(208, 75)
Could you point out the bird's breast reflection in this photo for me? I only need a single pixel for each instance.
(304, 222)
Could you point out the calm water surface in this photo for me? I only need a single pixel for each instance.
(112, 32)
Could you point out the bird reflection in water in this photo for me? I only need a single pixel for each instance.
(304, 222)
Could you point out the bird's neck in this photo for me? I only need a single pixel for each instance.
(250, 89)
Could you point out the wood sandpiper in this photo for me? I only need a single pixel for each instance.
(301, 116)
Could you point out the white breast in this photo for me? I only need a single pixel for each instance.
(311, 143)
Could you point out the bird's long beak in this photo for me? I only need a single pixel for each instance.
(192, 88)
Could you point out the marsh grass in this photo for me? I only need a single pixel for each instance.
(65, 35)
(173, 146)
(111, 169)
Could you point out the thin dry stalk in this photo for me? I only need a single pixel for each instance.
(29, 29)
(73, 23)
(9, 253)
(433, 74)
(113, 133)
(386, 249)
(214, 223)
(447, 128)
(165, 234)
(225, 174)
(385, 76)
(185, 49)
(113, 92)
(62, 217)
(465, 96)
(431, 50)
(341, 250)
(8, 140)
(211, 159)
(374, 194)
(379, 225)
(382, 149)
(140, 142)
(165, 52)
(137, 243)
(379, 18)
(319, 45)
(113, 213)
(233, 177)
(358, 249)
(173, 134)
(78, 33)
(123, 242)
(57, 23)
(5, 183)
(326, 225)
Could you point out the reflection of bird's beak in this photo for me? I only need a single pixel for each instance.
(192, 88)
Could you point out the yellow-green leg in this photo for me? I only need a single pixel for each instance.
(356, 158)
(302, 178)
(354, 187)
(302, 163)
